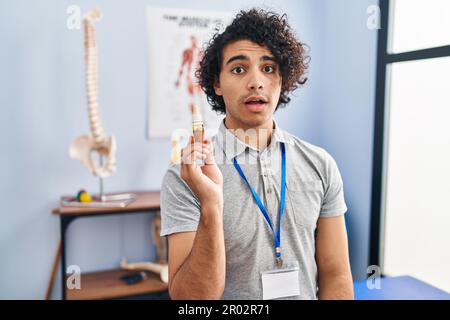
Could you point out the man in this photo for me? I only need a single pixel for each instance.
(263, 218)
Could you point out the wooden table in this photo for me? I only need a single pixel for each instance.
(106, 284)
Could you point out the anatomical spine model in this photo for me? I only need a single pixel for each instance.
(84, 145)
(159, 267)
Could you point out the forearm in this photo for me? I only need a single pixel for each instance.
(202, 275)
(336, 286)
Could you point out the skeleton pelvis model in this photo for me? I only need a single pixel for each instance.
(83, 146)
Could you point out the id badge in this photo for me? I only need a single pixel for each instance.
(280, 283)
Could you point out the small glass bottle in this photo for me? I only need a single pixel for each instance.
(198, 130)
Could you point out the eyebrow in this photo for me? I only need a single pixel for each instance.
(246, 58)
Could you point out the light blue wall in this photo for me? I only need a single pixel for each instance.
(347, 104)
(42, 103)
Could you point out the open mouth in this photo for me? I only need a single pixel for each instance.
(255, 104)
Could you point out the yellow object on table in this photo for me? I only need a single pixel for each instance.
(85, 197)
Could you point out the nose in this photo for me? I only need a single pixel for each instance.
(255, 82)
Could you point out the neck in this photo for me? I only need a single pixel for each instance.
(257, 137)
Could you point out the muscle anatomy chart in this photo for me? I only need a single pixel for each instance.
(176, 38)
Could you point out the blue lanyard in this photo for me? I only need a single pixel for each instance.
(260, 204)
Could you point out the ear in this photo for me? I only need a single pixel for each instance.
(217, 87)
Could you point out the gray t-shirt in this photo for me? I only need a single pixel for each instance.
(314, 189)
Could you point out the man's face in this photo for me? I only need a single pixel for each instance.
(250, 84)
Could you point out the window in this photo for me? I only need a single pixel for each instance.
(411, 169)
(419, 24)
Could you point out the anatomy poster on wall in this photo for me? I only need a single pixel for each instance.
(176, 39)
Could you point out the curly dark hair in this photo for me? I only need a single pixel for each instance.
(264, 28)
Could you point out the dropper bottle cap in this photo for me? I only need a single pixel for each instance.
(196, 115)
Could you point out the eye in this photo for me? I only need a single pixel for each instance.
(269, 69)
(237, 70)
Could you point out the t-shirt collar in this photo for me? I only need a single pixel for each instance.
(233, 147)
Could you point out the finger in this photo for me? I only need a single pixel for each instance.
(190, 159)
(195, 147)
(210, 154)
(191, 166)
(186, 152)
